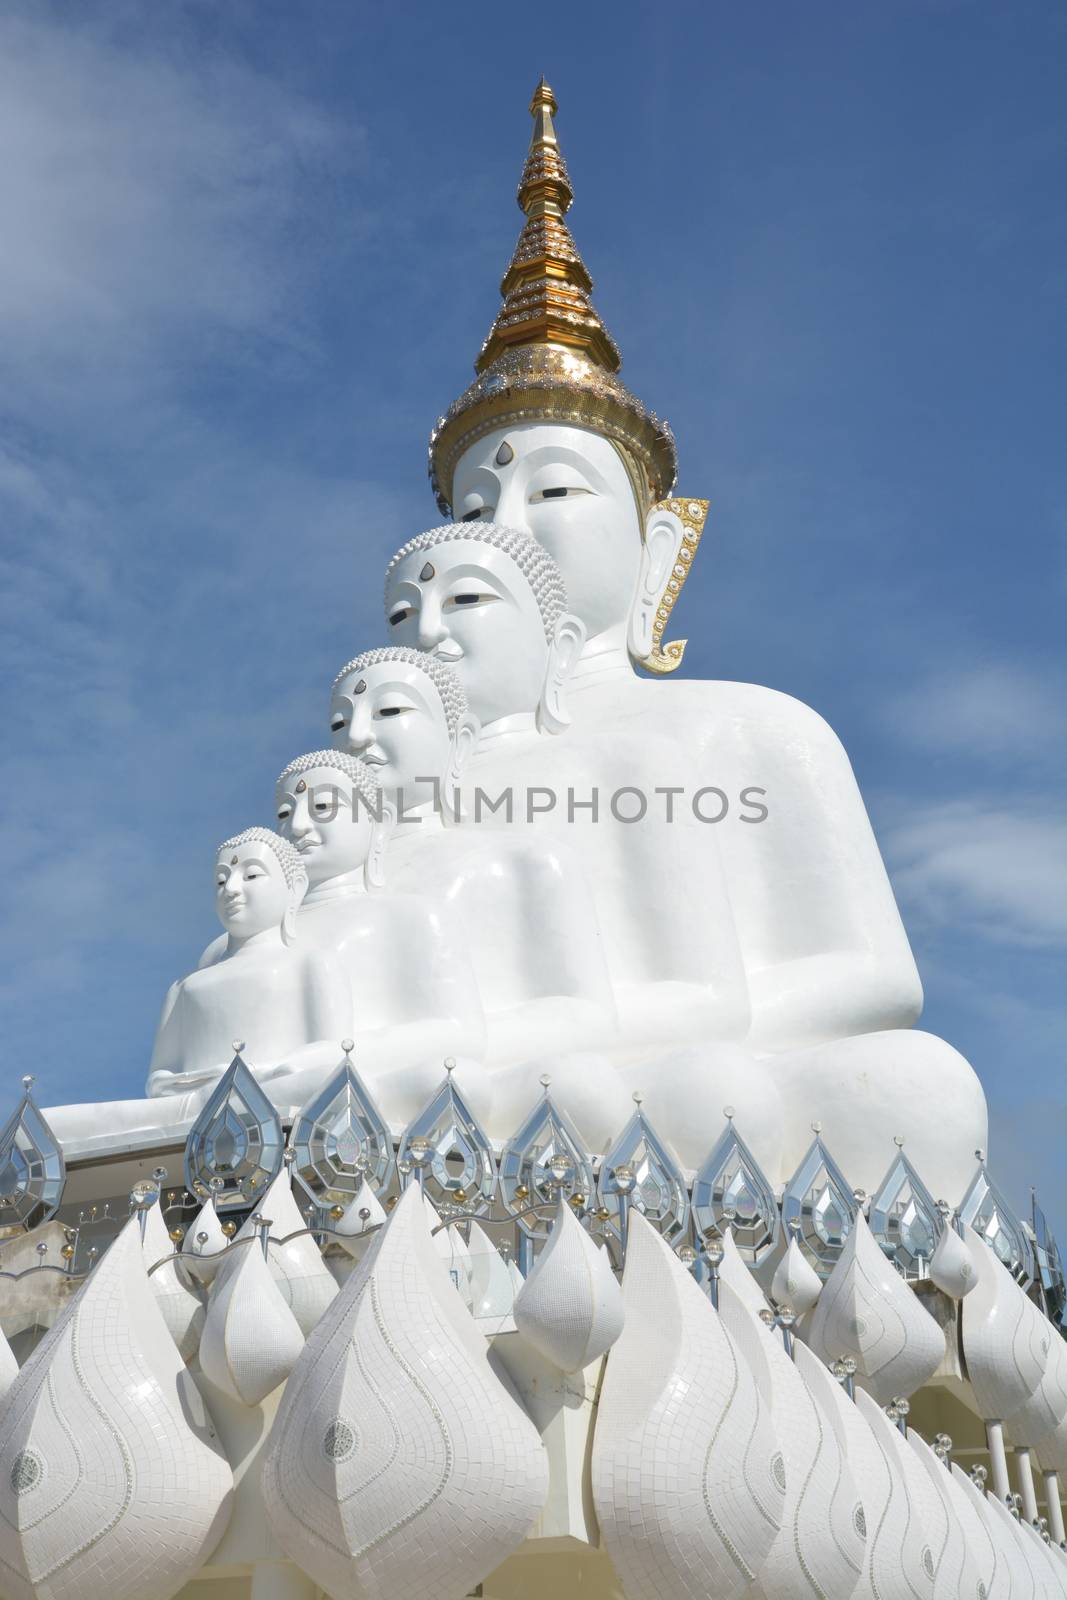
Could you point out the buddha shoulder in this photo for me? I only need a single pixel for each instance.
(752, 712)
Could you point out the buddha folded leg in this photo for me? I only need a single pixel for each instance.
(584, 1085)
(111, 1125)
(687, 1094)
(873, 1087)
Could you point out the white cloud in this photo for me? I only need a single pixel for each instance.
(989, 710)
(996, 868)
(147, 194)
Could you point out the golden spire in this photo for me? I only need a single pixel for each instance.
(548, 356)
(546, 287)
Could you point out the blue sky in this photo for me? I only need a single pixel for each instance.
(249, 252)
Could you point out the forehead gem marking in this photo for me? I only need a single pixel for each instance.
(301, 786)
(361, 687)
(504, 454)
(427, 573)
(233, 861)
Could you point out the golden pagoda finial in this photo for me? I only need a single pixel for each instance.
(544, 185)
(548, 355)
(546, 287)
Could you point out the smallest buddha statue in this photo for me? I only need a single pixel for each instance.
(265, 986)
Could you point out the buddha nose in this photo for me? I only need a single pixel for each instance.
(431, 626)
(511, 507)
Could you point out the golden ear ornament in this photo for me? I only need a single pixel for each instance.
(692, 514)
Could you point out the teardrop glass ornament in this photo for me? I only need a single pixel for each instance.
(904, 1218)
(339, 1140)
(819, 1199)
(459, 1172)
(526, 1178)
(1049, 1263)
(732, 1180)
(236, 1138)
(658, 1190)
(32, 1170)
(985, 1209)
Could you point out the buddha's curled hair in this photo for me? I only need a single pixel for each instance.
(533, 561)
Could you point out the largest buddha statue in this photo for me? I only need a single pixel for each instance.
(548, 441)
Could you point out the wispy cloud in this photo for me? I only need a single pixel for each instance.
(154, 205)
(988, 710)
(981, 866)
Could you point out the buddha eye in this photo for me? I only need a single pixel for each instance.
(392, 711)
(477, 515)
(467, 600)
(337, 723)
(560, 493)
(284, 813)
(398, 615)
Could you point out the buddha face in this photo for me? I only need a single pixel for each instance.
(566, 486)
(470, 606)
(316, 814)
(391, 716)
(251, 894)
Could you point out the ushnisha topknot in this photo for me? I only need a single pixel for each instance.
(444, 680)
(532, 560)
(358, 772)
(289, 861)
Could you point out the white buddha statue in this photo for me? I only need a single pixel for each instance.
(492, 602)
(267, 986)
(259, 982)
(409, 991)
(549, 441)
(527, 917)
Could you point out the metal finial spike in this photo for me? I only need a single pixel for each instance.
(816, 1127)
(729, 1113)
(348, 1045)
(27, 1082)
(637, 1097)
(238, 1046)
(979, 1155)
(898, 1140)
(546, 1079)
(450, 1065)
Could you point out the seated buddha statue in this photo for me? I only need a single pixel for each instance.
(261, 983)
(492, 603)
(525, 911)
(547, 440)
(267, 986)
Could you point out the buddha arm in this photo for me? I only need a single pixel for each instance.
(165, 1065)
(433, 1007)
(825, 950)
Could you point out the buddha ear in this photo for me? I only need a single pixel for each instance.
(463, 745)
(567, 640)
(381, 829)
(659, 552)
(299, 890)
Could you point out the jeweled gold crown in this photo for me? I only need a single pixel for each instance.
(548, 356)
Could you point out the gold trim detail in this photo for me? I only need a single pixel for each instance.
(548, 355)
(693, 514)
